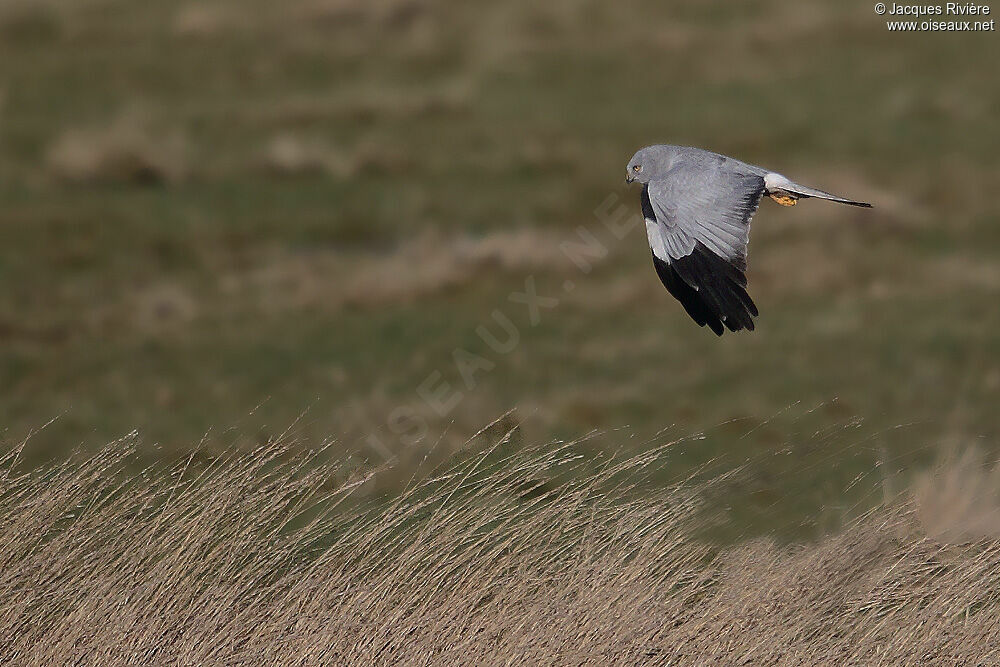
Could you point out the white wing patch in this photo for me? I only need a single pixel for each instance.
(666, 246)
(656, 241)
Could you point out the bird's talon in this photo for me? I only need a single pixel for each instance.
(784, 200)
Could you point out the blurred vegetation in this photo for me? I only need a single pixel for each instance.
(232, 217)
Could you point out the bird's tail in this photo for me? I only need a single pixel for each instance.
(786, 192)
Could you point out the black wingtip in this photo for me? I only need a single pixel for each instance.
(710, 288)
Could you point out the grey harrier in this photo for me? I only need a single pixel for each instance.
(697, 207)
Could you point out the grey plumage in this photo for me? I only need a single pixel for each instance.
(698, 206)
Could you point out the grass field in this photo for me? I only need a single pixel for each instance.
(514, 554)
(227, 221)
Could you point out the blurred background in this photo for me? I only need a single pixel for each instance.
(225, 221)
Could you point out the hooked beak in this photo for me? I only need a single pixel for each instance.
(629, 178)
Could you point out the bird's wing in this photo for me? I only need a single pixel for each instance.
(698, 225)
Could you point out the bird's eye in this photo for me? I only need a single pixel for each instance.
(637, 168)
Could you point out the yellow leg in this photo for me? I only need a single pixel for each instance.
(784, 200)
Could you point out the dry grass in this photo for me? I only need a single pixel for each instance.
(427, 264)
(130, 149)
(539, 557)
(961, 500)
(289, 155)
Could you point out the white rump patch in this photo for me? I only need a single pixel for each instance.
(775, 181)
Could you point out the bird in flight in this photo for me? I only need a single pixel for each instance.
(698, 205)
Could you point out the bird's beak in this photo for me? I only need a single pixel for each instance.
(629, 178)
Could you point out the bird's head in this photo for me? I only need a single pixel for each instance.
(647, 164)
(640, 166)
